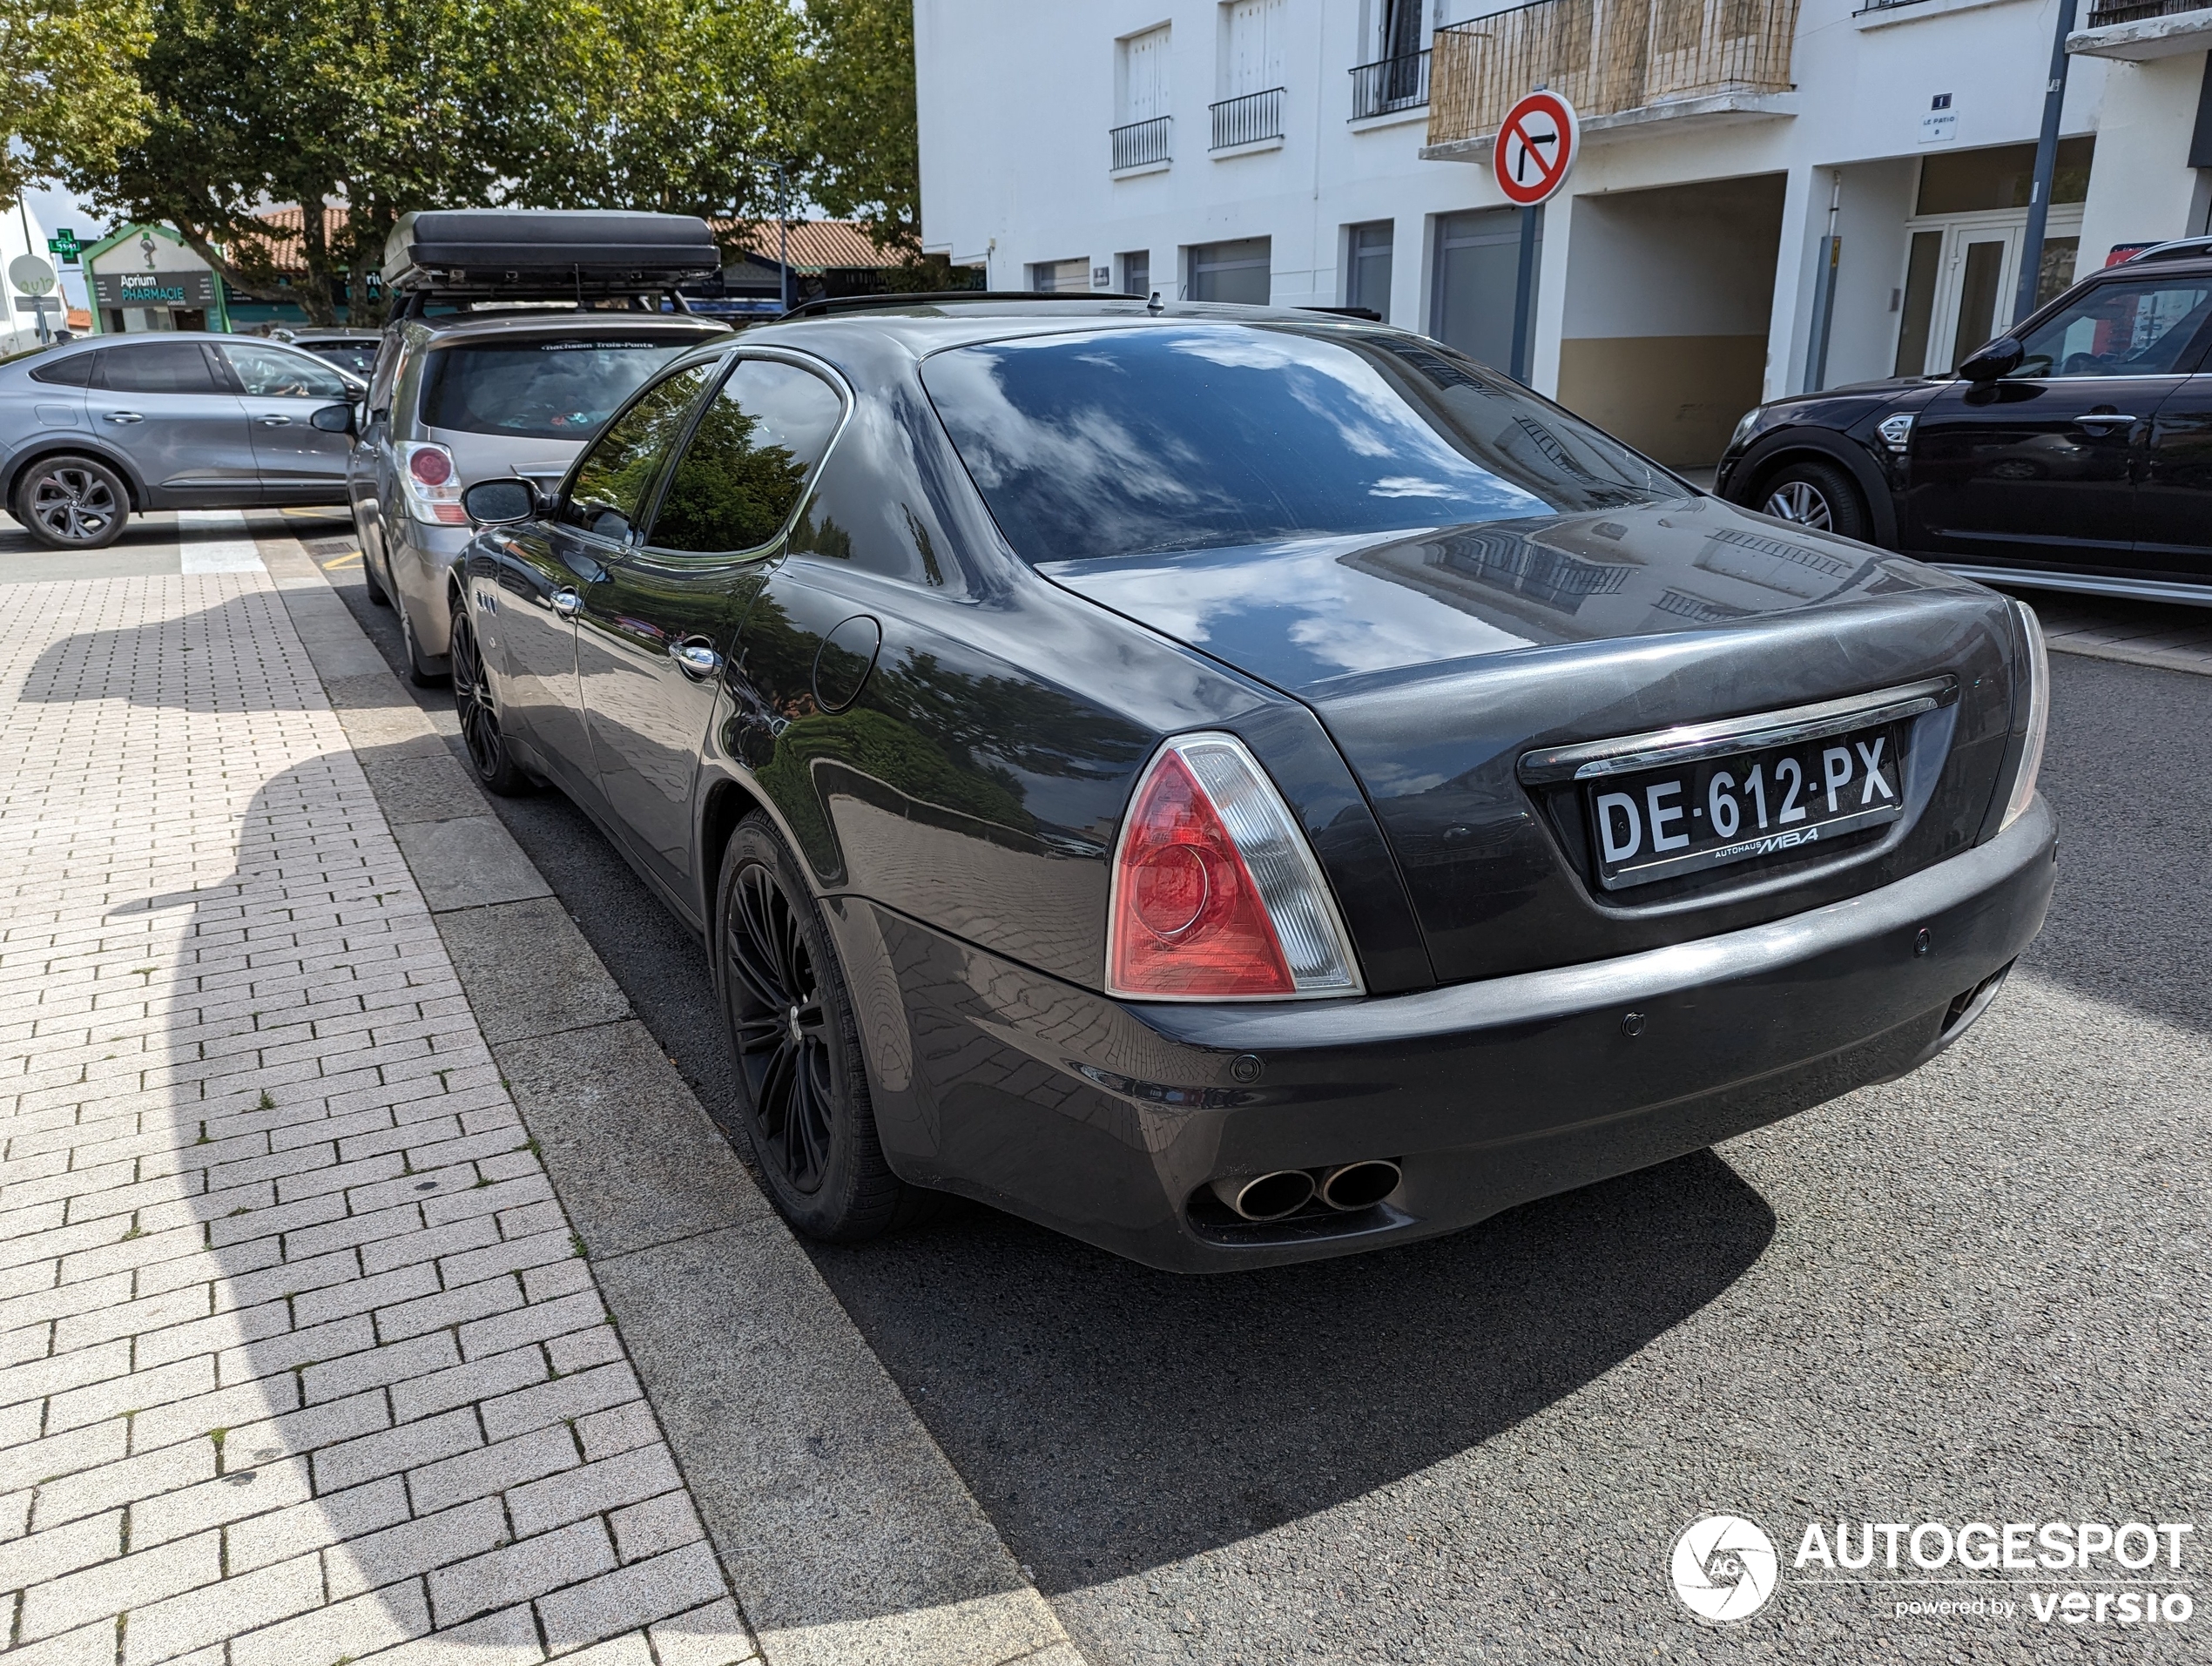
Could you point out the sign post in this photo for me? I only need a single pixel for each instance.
(1536, 148)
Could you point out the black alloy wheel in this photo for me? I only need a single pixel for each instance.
(72, 503)
(1819, 496)
(802, 1088)
(472, 699)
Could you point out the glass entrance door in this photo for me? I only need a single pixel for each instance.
(1961, 277)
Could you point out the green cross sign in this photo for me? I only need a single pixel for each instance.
(64, 244)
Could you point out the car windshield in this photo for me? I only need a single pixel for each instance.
(1134, 441)
(356, 357)
(544, 388)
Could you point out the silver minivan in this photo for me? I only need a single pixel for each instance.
(471, 395)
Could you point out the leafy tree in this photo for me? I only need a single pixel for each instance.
(69, 98)
(858, 98)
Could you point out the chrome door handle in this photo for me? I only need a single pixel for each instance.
(567, 603)
(276, 422)
(695, 659)
(124, 417)
(2102, 419)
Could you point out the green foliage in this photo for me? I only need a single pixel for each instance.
(69, 95)
(858, 100)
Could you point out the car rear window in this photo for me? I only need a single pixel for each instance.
(546, 387)
(1135, 441)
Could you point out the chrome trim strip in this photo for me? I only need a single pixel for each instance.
(2140, 589)
(1592, 760)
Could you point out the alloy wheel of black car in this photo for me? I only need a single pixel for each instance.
(472, 698)
(802, 1091)
(1817, 495)
(72, 503)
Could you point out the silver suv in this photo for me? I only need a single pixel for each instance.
(91, 431)
(472, 394)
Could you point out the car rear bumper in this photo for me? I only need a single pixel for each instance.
(1105, 1120)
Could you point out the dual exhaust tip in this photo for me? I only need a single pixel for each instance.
(1346, 1187)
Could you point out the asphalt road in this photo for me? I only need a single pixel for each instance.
(1979, 1294)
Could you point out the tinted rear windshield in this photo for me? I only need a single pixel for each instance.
(549, 388)
(1134, 441)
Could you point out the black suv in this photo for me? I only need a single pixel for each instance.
(2073, 453)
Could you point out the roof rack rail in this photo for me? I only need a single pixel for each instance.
(2181, 248)
(828, 305)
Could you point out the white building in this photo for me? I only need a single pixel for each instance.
(1289, 150)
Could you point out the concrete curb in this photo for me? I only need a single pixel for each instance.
(847, 1536)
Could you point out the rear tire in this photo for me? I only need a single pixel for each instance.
(419, 670)
(494, 764)
(802, 1086)
(72, 503)
(377, 593)
(1822, 495)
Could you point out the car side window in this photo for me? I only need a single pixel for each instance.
(159, 367)
(2121, 329)
(607, 494)
(747, 465)
(77, 370)
(271, 372)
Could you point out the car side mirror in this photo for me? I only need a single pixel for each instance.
(501, 502)
(1999, 358)
(335, 419)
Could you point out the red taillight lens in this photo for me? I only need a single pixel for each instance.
(430, 466)
(1189, 921)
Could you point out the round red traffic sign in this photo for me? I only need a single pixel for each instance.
(1535, 147)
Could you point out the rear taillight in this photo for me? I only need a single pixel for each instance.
(432, 484)
(1215, 895)
(2036, 667)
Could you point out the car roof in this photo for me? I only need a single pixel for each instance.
(933, 324)
(568, 321)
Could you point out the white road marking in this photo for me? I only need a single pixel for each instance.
(206, 555)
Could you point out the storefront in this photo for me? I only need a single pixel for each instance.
(144, 278)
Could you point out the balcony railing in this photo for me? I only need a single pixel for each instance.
(1392, 83)
(1606, 57)
(1141, 144)
(2135, 11)
(1247, 120)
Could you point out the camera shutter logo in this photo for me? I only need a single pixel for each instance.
(1724, 1568)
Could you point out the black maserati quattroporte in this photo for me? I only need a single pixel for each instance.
(1241, 786)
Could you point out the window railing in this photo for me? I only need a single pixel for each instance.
(1247, 120)
(1390, 84)
(1140, 144)
(1606, 57)
(2133, 11)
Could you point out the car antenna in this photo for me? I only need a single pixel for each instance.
(1153, 305)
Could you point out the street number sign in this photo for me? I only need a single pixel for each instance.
(1536, 148)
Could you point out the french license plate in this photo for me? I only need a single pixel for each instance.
(1659, 824)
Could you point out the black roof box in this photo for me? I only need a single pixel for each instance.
(546, 252)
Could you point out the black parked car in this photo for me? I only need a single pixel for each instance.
(2074, 453)
(1237, 787)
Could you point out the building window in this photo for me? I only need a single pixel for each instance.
(1144, 132)
(1249, 74)
(1061, 277)
(1136, 272)
(1367, 267)
(1235, 271)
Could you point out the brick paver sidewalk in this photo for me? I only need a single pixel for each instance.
(299, 1361)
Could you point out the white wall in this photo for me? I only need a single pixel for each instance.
(2142, 188)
